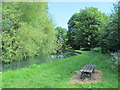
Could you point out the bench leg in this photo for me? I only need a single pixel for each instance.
(82, 75)
(85, 75)
(88, 75)
(93, 70)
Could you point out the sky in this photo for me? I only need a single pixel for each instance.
(61, 12)
(82, 0)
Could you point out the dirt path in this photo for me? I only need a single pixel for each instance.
(95, 77)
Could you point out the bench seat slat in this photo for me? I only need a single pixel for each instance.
(88, 68)
(84, 68)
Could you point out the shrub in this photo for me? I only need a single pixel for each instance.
(97, 49)
(114, 60)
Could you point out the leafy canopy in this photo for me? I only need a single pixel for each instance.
(84, 28)
(28, 31)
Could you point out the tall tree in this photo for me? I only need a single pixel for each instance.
(27, 30)
(111, 38)
(85, 27)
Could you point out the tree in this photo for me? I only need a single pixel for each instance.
(111, 38)
(61, 37)
(27, 30)
(85, 27)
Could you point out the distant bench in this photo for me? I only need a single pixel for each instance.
(87, 70)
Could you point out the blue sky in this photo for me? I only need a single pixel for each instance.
(62, 11)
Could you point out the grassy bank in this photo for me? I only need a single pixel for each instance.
(57, 74)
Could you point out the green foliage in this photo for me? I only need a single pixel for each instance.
(85, 27)
(59, 73)
(0, 79)
(27, 30)
(61, 37)
(97, 49)
(114, 60)
(110, 41)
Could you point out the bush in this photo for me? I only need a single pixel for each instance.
(97, 49)
(114, 60)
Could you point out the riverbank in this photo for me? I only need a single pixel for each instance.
(58, 73)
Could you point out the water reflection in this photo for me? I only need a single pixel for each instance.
(57, 56)
(35, 61)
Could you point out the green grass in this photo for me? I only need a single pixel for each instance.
(58, 73)
(0, 79)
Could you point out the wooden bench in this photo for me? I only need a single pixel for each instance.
(86, 71)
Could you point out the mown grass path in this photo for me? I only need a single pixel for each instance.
(58, 73)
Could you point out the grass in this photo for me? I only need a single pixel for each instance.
(58, 73)
(0, 79)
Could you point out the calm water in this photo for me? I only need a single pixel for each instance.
(36, 61)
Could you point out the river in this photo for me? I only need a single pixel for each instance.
(35, 61)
